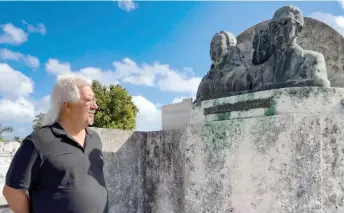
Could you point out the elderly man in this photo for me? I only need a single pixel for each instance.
(60, 166)
(290, 63)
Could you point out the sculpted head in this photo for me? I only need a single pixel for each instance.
(220, 45)
(72, 99)
(285, 26)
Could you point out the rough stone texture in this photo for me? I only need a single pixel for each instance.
(143, 171)
(316, 36)
(284, 163)
(7, 150)
(283, 101)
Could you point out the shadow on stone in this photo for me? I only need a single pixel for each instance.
(145, 173)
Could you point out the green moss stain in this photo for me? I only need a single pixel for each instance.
(218, 138)
(223, 116)
(270, 111)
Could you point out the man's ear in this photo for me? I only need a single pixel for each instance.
(67, 106)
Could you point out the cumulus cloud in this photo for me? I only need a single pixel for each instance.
(127, 5)
(149, 117)
(127, 71)
(336, 22)
(15, 89)
(39, 28)
(12, 35)
(42, 105)
(341, 2)
(29, 60)
(105, 77)
(56, 67)
(13, 83)
(20, 110)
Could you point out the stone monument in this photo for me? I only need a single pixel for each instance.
(284, 62)
(274, 144)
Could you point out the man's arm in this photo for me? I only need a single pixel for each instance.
(20, 177)
(17, 200)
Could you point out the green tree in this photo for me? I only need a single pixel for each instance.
(38, 121)
(4, 129)
(116, 107)
(17, 138)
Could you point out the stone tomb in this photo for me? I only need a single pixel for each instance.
(284, 156)
(265, 132)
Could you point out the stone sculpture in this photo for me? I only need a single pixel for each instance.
(277, 61)
(290, 64)
(227, 73)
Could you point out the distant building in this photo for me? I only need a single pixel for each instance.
(176, 116)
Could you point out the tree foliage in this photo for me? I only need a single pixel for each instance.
(38, 121)
(116, 107)
(4, 129)
(17, 138)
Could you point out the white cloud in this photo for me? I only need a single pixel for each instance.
(39, 28)
(127, 5)
(341, 2)
(336, 22)
(105, 77)
(178, 82)
(12, 35)
(149, 117)
(29, 60)
(42, 105)
(56, 67)
(14, 83)
(20, 110)
(160, 75)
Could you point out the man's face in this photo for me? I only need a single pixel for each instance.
(83, 110)
(283, 32)
(218, 48)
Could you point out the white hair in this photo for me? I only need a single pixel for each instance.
(66, 89)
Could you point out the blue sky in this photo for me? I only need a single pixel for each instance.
(159, 51)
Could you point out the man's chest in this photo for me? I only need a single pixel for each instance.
(67, 165)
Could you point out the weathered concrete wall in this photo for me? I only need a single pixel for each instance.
(143, 170)
(7, 151)
(284, 163)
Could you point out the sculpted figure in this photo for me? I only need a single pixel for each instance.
(219, 46)
(290, 63)
(234, 77)
(228, 72)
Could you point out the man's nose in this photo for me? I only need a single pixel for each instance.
(94, 105)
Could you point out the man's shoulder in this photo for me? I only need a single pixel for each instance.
(310, 55)
(41, 135)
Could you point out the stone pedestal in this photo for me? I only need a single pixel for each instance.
(285, 154)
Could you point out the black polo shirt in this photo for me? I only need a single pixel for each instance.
(60, 176)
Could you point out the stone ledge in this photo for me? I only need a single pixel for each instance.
(283, 101)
